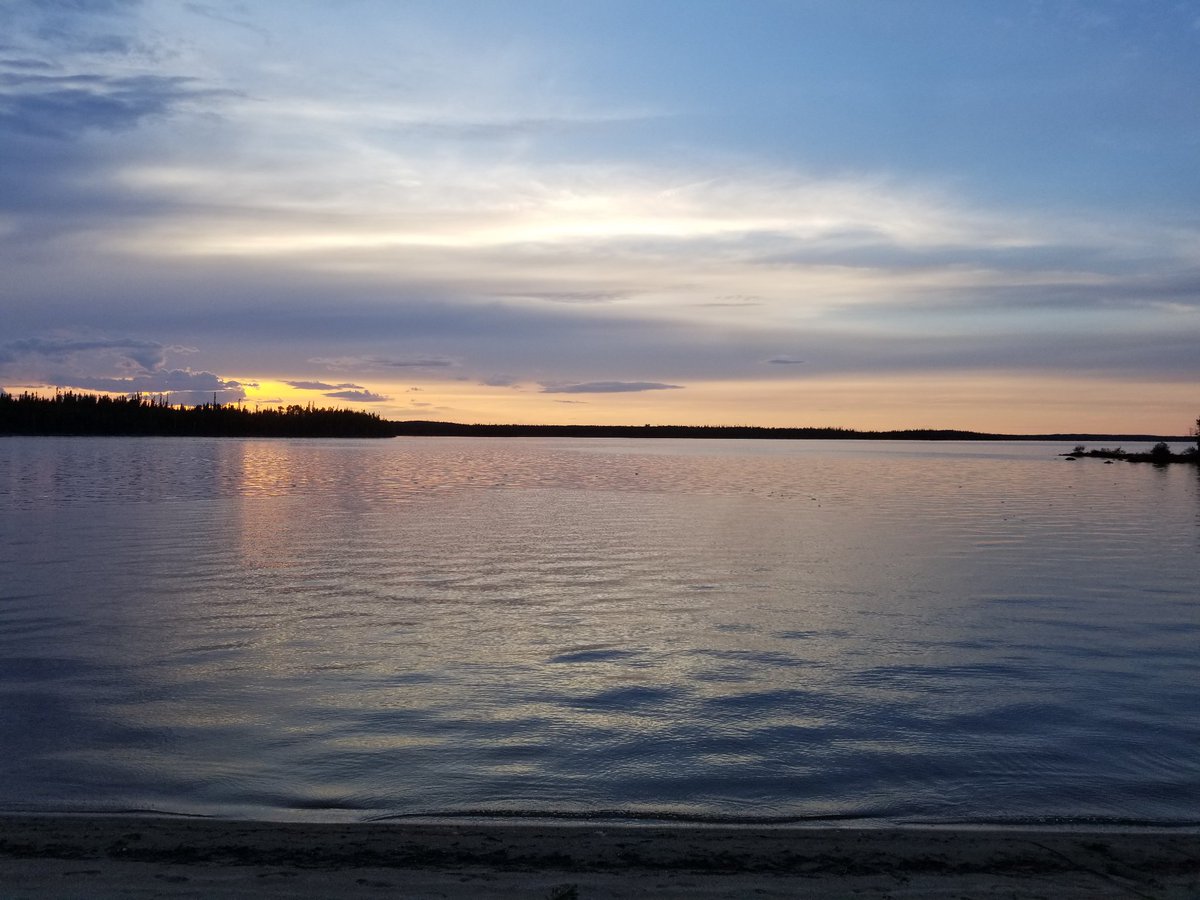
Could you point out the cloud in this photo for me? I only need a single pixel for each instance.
(122, 365)
(148, 355)
(363, 396)
(322, 386)
(67, 138)
(211, 11)
(732, 302)
(382, 362)
(343, 391)
(379, 225)
(183, 385)
(608, 387)
(568, 296)
(64, 106)
(69, 25)
(429, 363)
(33, 65)
(479, 128)
(73, 66)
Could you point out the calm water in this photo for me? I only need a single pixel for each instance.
(350, 630)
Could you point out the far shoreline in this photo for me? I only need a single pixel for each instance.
(78, 415)
(649, 432)
(755, 432)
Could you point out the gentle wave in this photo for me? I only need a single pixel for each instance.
(725, 633)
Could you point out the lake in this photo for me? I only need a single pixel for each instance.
(337, 630)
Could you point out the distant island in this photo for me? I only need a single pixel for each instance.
(1160, 454)
(746, 432)
(71, 413)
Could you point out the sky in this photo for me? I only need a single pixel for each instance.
(857, 213)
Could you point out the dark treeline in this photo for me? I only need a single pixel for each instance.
(454, 429)
(748, 432)
(88, 414)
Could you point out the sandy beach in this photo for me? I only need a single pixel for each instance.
(128, 856)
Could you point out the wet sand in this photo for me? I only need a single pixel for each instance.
(126, 856)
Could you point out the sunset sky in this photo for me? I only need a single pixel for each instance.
(879, 214)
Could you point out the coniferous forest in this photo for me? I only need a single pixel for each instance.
(89, 414)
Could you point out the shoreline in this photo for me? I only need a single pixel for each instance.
(90, 415)
(50, 856)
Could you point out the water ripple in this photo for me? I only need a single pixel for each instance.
(633, 629)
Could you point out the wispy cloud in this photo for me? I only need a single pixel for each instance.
(343, 391)
(322, 386)
(568, 296)
(227, 16)
(382, 362)
(363, 396)
(608, 387)
(64, 106)
(774, 245)
(93, 27)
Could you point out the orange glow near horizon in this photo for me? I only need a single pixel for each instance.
(1006, 404)
(1002, 404)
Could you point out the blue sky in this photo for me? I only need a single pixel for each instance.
(871, 214)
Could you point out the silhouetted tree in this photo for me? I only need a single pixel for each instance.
(71, 413)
